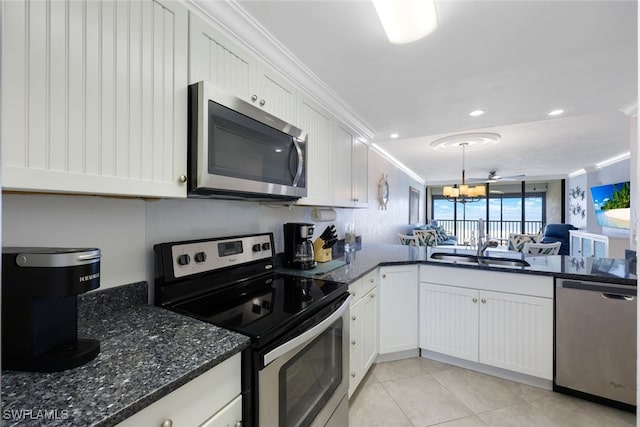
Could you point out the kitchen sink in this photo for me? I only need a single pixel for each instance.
(482, 260)
(466, 258)
(503, 262)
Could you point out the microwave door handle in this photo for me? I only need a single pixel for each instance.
(299, 170)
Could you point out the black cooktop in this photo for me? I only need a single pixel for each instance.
(266, 307)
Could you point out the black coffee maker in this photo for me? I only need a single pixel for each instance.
(298, 247)
(40, 307)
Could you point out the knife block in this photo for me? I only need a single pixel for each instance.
(321, 255)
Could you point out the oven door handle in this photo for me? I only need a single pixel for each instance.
(308, 335)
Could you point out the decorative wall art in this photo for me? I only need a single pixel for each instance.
(414, 199)
(578, 206)
(383, 192)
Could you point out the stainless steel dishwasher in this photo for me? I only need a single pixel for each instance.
(595, 341)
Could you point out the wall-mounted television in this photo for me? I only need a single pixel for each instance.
(612, 203)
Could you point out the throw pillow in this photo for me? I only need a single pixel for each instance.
(441, 234)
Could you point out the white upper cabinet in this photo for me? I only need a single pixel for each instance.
(94, 97)
(341, 166)
(215, 58)
(360, 174)
(317, 123)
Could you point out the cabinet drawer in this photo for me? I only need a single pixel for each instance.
(363, 285)
(195, 402)
(227, 416)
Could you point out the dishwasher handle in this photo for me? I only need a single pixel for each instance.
(604, 288)
(607, 295)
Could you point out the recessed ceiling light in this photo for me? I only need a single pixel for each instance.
(476, 113)
(394, 136)
(555, 112)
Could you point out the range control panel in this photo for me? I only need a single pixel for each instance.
(208, 255)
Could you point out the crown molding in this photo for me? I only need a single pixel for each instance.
(630, 108)
(229, 16)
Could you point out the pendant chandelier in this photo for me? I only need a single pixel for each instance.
(463, 193)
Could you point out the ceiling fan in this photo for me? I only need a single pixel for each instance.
(494, 177)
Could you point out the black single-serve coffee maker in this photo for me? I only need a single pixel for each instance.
(40, 288)
(298, 247)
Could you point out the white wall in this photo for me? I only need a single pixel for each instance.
(125, 230)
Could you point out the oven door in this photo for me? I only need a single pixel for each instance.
(304, 381)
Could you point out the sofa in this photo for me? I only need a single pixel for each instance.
(443, 238)
(558, 233)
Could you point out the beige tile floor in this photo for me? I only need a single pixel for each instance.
(419, 392)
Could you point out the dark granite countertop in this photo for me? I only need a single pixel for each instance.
(577, 268)
(146, 352)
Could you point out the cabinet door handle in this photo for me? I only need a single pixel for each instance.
(353, 342)
(167, 423)
(475, 300)
(371, 280)
(182, 178)
(384, 276)
(372, 295)
(353, 317)
(262, 102)
(254, 98)
(483, 300)
(353, 374)
(353, 293)
(239, 424)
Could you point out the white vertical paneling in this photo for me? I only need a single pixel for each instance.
(135, 89)
(280, 97)
(15, 28)
(318, 126)
(342, 143)
(168, 104)
(449, 320)
(37, 85)
(398, 291)
(92, 89)
(158, 90)
(76, 81)
(107, 89)
(89, 89)
(147, 94)
(58, 85)
(123, 86)
(516, 333)
(214, 58)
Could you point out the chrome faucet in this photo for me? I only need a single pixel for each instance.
(482, 246)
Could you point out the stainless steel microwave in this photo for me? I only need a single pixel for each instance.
(239, 151)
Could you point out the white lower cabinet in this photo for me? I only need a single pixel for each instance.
(503, 320)
(398, 308)
(211, 400)
(363, 328)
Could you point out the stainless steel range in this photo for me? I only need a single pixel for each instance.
(295, 371)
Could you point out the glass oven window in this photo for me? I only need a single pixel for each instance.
(310, 378)
(240, 147)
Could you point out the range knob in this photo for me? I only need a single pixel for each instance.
(184, 259)
(256, 247)
(266, 246)
(200, 257)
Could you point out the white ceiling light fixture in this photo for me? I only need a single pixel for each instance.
(394, 136)
(463, 193)
(557, 112)
(406, 21)
(476, 113)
